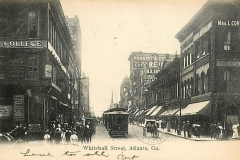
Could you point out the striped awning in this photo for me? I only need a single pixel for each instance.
(151, 110)
(154, 113)
(201, 108)
(170, 112)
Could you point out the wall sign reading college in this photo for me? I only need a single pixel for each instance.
(23, 44)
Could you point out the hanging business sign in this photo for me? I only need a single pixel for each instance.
(48, 71)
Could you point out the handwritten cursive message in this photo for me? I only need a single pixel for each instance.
(68, 153)
(28, 153)
(97, 154)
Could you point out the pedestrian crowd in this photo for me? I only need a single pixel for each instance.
(188, 129)
(78, 133)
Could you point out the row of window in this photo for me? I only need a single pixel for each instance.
(202, 47)
(228, 83)
(26, 23)
(18, 67)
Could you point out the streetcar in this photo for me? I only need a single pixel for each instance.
(116, 121)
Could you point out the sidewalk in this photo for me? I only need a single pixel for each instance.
(193, 138)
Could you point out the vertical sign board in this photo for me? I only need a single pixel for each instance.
(18, 108)
(48, 71)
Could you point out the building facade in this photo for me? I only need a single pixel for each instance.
(143, 68)
(210, 58)
(125, 93)
(75, 32)
(38, 65)
(85, 103)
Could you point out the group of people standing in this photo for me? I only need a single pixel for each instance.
(78, 133)
(215, 130)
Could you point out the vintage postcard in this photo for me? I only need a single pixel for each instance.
(119, 79)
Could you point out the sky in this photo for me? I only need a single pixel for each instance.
(113, 29)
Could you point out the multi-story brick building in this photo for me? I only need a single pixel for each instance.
(85, 103)
(75, 68)
(125, 93)
(143, 68)
(166, 90)
(210, 58)
(38, 64)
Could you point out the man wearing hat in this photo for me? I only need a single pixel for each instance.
(184, 128)
(188, 127)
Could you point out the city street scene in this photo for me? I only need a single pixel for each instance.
(120, 80)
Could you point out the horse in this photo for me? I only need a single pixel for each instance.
(154, 131)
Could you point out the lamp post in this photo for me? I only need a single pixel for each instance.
(29, 94)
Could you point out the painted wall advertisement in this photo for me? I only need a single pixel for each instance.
(18, 108)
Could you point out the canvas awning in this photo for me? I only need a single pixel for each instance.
(201, 108)
(151, 110)
(169, 112)
(156, 111)
(135, 112)
(140, 112)
(144, 112)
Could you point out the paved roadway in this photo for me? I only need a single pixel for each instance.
(132, 146)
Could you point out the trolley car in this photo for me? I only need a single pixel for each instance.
(116, 121)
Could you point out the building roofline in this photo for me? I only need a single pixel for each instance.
(190, 23)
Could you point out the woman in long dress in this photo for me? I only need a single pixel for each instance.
(235, 130)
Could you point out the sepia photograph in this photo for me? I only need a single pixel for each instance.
(119, 79)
